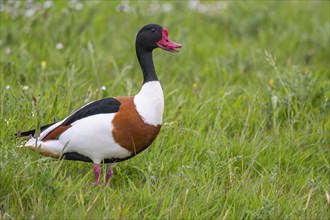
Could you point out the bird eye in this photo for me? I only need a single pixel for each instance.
(153, 29)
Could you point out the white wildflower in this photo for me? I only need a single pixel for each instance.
(65, 11)
(209, 7)
(221, 5)
(48, 4)
(103, 88)
(78, 6)
(153, 8)
(274, 101)
(30, 12)
(202, 9)
(167, 7)
(7, 87)
(8, 51)
(123, 7)
(59, 46)
(193, 4)
(7, 121)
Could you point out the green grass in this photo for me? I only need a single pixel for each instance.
(247, 106)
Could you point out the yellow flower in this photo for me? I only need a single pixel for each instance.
(195, 86)
(271, 83)
(43, 64)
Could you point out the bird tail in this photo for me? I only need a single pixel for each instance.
(50, 148)
(31, 143)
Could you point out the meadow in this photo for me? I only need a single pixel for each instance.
(247, 108)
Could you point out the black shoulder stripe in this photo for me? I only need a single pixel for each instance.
(108, 105)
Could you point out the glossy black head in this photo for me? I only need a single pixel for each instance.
(152, 36)
(148, 36)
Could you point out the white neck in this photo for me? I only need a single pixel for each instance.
(149, 103)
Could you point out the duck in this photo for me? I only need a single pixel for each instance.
(112, 129)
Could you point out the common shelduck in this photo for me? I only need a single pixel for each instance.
(111, 129)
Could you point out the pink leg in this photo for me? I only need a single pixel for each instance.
(97, 173)
(109, 175)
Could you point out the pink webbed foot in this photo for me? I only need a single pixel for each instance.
(109, 175)
(97, 173)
